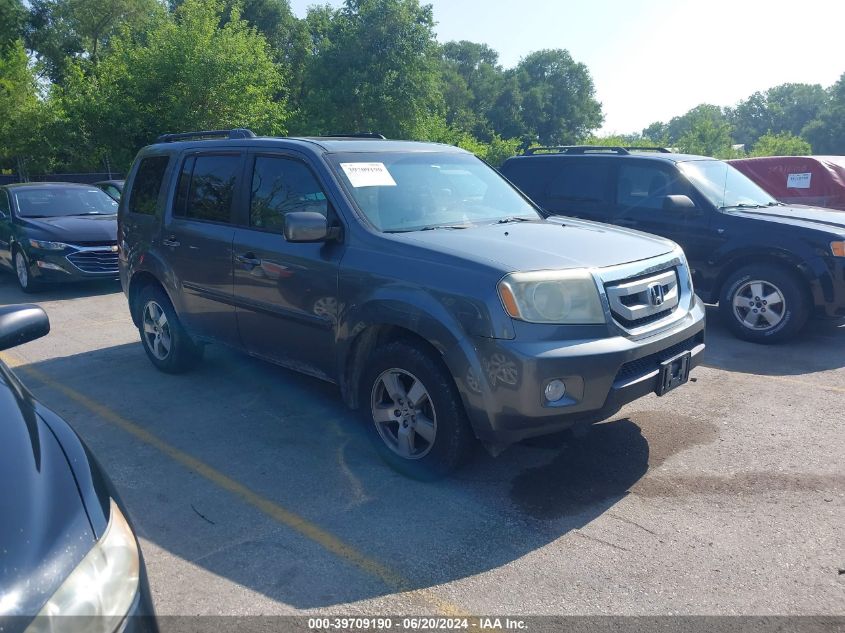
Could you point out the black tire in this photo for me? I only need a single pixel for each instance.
(27, 284)
(181, 353)
(452, 442)
(750, 322)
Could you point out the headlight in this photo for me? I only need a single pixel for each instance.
(552, 296)
(48, 246)
(838, 248)
(101, 588)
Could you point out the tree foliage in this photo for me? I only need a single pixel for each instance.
(187, 73)
(826, 132)
(783, 144)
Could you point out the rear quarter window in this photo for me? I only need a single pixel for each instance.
(143, 199)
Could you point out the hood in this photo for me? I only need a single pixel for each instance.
(555, 243)
(45, 531)
(799, 215)
(76, 228)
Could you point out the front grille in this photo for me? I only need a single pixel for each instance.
(95, 262)
(641, 366)
(638, 301)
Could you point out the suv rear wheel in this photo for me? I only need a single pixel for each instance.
(764, 304)
(413, 412)
(165, 341)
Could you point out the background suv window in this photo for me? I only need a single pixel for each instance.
(646, 186)
(147, 185)
(4, 203)
(279, 186)
(580, 181)
(207, 187)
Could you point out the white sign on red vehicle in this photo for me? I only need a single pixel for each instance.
(798, 181)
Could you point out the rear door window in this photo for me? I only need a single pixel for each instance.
(206, 187)
(585, 181)
(147, 185)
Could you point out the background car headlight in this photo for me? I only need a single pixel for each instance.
(47, 246)
(552, 296)
(101, 588)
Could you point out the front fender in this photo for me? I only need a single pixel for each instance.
(446, 323)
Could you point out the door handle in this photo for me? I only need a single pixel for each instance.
(170, 241)
(249, 259)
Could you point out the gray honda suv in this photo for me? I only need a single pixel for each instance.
(441, 301)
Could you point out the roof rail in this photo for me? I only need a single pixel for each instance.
(577, 149)
(358, 135)
(238, 132)
(659, 150)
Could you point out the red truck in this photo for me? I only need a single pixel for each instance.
(817, 181)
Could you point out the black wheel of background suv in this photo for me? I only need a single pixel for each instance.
(22, 274)
(413, 412)
(764, 303)
(165, 341)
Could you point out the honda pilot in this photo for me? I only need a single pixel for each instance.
(438, 298)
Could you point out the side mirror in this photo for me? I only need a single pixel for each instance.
(21, 324)
(678, 203)
(308, 226)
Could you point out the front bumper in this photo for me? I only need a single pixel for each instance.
(506, 403)
(77, 263)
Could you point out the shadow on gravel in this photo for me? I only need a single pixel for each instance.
(606, 464)
(10, 293)
(289, 439)
(819, 347)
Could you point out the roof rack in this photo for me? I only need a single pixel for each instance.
(577, 149)
(238, 132)
(659, 150)
(358, 135)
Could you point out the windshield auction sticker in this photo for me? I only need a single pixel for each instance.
(368, 175)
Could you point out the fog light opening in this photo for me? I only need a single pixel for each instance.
(555, 390)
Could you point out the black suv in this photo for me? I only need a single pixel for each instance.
(414, 276)
(769, 266)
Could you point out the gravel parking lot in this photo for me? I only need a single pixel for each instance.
(254, 491)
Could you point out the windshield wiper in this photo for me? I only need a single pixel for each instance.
(513, 218)
(430, 228)
(743, 205)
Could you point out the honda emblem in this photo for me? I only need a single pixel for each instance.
(656, 294)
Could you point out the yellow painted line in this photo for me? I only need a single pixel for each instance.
(275, 511)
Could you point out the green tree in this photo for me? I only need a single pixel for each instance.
(187, 72)
(20, 109)
(783, 144)
(826, 133)
(376, 70)
(12, 15)
(61, 31)
(657, 132)
(473, 81)
(558, 97)
(703, 130)
(785, 108)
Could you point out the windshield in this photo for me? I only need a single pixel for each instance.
(724, 186)
(54, 202)
(415, 191)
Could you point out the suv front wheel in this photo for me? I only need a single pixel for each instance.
(764, 304)
(165, 341)
(413, 412)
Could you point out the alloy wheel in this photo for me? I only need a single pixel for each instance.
(403, 413)
(157, 330)
(22, 270)
(759, 305)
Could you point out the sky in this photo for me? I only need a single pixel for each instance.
(655, 59)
